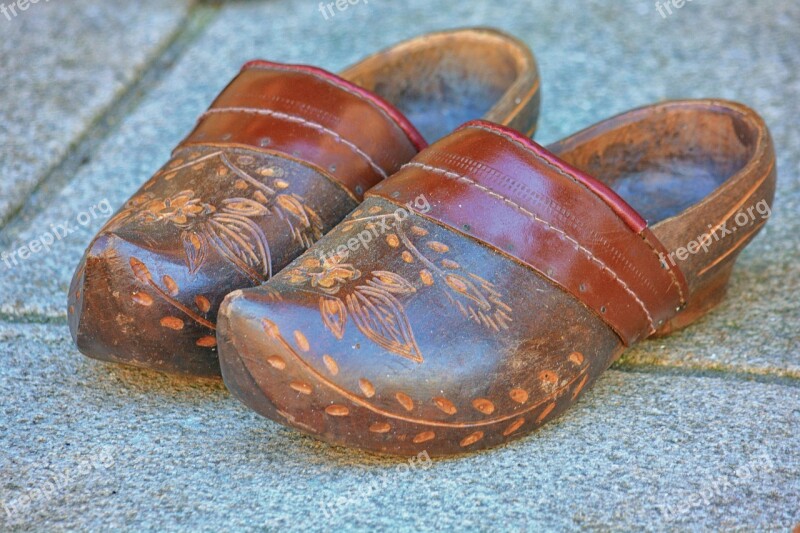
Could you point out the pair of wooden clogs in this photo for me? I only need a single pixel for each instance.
(355, 283)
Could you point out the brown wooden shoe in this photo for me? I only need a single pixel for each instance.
(482, 289)
(282, 155)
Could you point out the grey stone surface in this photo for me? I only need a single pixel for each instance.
(88, 445)
(63, 64)
(596, 59)
(695, 431)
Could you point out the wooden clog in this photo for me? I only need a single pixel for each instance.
(478, 292)
(282, 155)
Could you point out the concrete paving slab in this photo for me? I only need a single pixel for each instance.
(63, 64)
(88, 445)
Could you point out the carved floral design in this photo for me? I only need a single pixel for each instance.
(374, 304)
(326, 274)
(178, 209)
(232, 226)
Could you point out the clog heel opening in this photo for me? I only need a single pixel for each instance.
(442, 80)
(666, 161)
(688, 167)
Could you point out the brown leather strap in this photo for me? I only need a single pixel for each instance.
(495, 185)
(351, 134)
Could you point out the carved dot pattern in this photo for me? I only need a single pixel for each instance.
(471, 439)
(420, 232)
(437, 246)
(380, 427)
(519, 395)
(276, 361)
(202, 303)
(426, 277)
(483, 405)
(374, 209)
(330, 364)
(139, 270)
(548, 376)
(407, 257)
(270, 328)
(301, 340)
(576, 358)
(301, 387)
(392, 240)
(142, 298)
(425, 436)
(405, 400)
(170, 284)
(337, 410)
(172, 322)
(452, 265)
(445, 405)
(207, 342)
(366, 387)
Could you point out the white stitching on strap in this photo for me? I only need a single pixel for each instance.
(546, 224)
(300, 120)
(669, 269)
(576, 180)
(341, 86)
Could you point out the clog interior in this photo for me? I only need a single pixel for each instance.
(666, 160)
(441, 82)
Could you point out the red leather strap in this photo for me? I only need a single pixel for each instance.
(492, 184)
(349, 133)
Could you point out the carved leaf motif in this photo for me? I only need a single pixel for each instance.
(382, 319)
(244, 207)
(467, 289)
(304, 223)
(294, 207)
(391, 282)
(334, 315)
(478, 300)
(243, 243)
(194, 244)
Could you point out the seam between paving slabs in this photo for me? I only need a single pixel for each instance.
(190, 27)
(790, 378)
